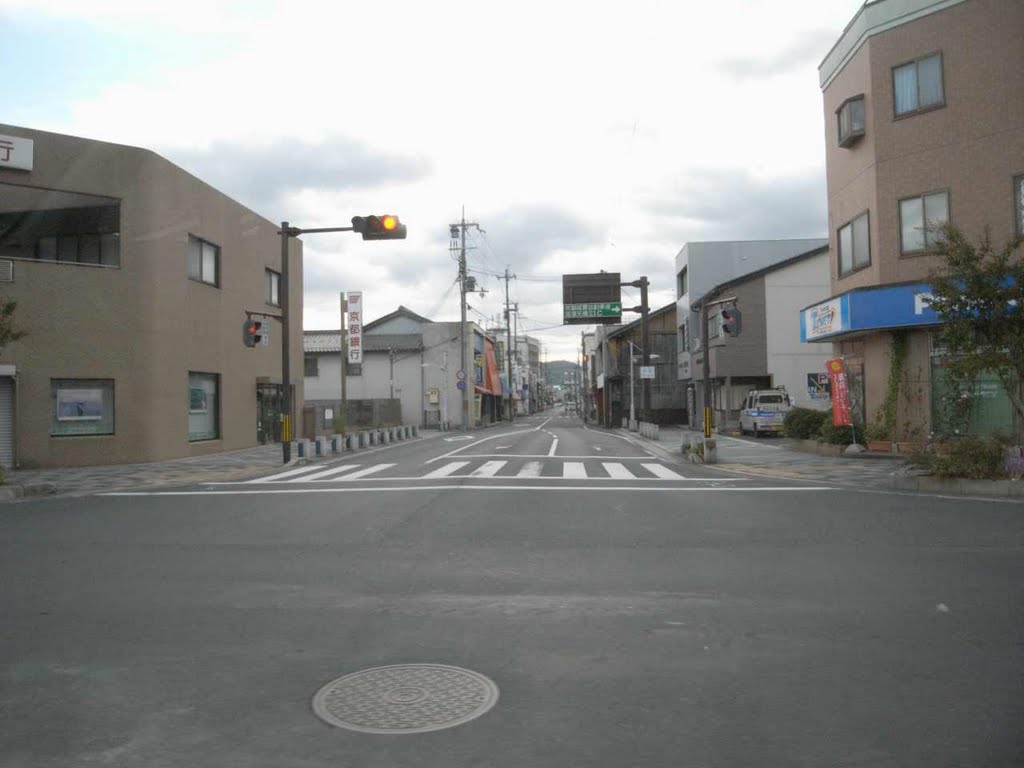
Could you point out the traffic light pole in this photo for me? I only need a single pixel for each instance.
(707, 359)
(286, 363)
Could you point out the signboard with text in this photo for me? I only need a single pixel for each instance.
(840, 393)
(592, 299)
(16, 152)
(355, 327)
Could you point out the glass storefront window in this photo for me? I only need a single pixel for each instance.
(203, 406)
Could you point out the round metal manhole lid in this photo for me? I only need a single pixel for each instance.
(405, 698)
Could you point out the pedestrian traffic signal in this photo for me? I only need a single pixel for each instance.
(386, 227)
(252, 332)
(732, 321)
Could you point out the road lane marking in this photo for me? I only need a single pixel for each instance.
(446, 470)
(478, 442)
(489, 469)
(531, 469)
(554, 446)
(470, 487)
(660, 470)
(574, 470)
(617, 471)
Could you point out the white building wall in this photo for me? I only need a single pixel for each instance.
(787, 291)
(374, 383)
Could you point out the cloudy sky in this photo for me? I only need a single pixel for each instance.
(580, 136)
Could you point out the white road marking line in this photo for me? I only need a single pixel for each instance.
(554, 446)
(447, 469)
(367, 471)
(574, 488)
(660, 470)
(574, 470)
(478, 442)
(617, 471)
(531, 469)
(489, 469)
(326, 473)
(282, 475)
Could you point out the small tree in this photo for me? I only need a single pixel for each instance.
(8, 333)
(978, 292)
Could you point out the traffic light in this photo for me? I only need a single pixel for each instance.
(386, 227)
(252, 332)
(732, 321)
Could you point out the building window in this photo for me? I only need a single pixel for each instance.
(203, 260)
(81, 407)
(921, 219)
(850, 117)
(854, 245)
(1018, 199)
(917, 85)
(272, 287)
(715, 326)
(203, 406)
(681, 283)
(86, 234)
(311, 366)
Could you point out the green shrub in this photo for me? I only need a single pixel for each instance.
(804, 423)
(973, 458)
(834, 435)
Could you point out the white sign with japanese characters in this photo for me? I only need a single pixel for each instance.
(16, 152)
(355, 327)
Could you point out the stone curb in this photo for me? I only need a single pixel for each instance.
(12, 492)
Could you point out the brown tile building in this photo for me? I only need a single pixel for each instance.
(133, 280)
(924, 118)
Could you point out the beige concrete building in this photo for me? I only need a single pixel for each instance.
(133, 280)
(924, 119)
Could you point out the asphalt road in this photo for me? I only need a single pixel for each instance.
(631, 610)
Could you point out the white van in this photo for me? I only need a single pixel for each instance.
(764, 410)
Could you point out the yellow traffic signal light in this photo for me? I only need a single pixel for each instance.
(386, 227)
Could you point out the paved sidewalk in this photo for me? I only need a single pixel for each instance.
(215, 467)
(773, 457)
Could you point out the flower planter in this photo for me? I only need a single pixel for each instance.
(881, 446)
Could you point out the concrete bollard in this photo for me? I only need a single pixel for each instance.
(415, 431)
(318, 446)
(364, 439)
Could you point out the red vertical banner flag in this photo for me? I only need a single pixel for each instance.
(840, 393)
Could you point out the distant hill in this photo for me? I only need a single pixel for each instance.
(555, 370)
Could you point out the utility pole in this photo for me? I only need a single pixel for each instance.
(343, 348)
(508, 336)
(458, 234)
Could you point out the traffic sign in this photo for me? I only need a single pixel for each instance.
(461, 384)
(460, 375)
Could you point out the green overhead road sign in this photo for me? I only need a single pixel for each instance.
(594, 298)
(603, 309)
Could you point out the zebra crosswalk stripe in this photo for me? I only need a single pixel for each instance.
(447, 469)
(574, 470)
(328, 473)
(284, 475)
(367, 471)
(617, 471)
(488, 469)
(531, 469)
(660, 470)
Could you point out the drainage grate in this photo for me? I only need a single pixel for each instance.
(405, 698)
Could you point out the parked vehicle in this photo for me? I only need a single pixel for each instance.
(764, 411)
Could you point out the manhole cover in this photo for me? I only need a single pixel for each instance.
(405, 698)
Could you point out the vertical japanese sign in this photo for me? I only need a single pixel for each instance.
(840, 393)
(355, 327)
